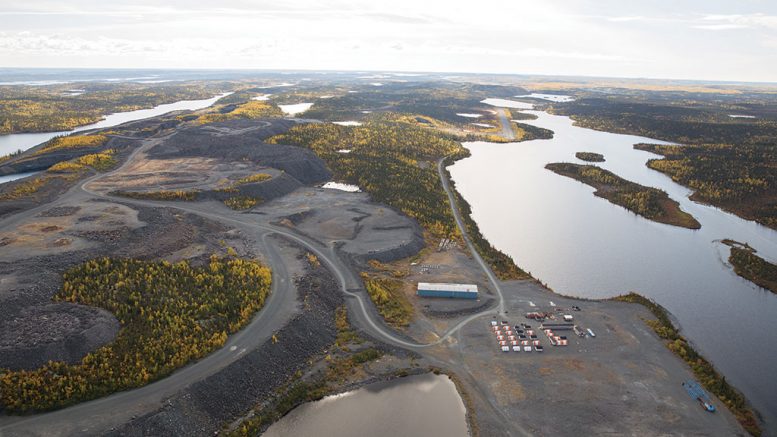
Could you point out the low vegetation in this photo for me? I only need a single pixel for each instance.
(25, 188)
(704, 371)
(250, 110)
(751, 266)
(158, 195)
(250, 179)
(649, 202)
(389, 299)
(739, 178)
(241, 203)
(101, 162)
(589, 156)
(71, 142)
(170, 314)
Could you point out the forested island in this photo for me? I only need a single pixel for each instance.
(751, 266)
(589, 156)
(728, 161)
(649, 202)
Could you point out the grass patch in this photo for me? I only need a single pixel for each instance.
(713, 381)
(71, 142)
(101, 162)
(170, 314)
(241, 203)
(389, 299)
(249, 110)
(158, 195)
(25, 188)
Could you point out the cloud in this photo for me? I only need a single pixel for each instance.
(737, 21)
(626, 19)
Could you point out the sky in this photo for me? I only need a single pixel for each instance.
(677, 39)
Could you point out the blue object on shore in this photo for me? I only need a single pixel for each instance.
(696, 392)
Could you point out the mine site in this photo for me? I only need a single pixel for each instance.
(379, 286)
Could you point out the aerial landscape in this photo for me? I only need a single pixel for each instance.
(456, 224)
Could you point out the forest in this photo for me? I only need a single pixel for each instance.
(392, 160)
(751, 266)
(739, 178)
(170, 314)
(53, 108)
(589, 156)
(728, 161)
(649, 202)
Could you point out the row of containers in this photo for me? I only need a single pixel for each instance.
(555, 340)
(508, 341)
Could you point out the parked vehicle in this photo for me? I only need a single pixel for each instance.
(539, 348)
(696, 392)
(591, 333)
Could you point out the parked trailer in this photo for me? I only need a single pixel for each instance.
(696, 392)
(558, 326)
(527, 348)
(516, 348)
(505, 349)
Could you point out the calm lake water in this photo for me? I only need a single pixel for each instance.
(424, 405)
(582, 245)
(13, 142)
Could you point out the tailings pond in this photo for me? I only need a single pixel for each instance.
(422, 405)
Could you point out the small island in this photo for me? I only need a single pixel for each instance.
(589, 156)
(751, 266)
(649, 202)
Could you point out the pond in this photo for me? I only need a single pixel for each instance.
(423, 405)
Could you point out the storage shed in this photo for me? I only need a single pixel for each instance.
(459, 291)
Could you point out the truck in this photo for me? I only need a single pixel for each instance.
(697, 393)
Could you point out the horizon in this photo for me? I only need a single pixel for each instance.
(702, 41)
(390, 71)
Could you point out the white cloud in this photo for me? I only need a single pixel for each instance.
(738, 21)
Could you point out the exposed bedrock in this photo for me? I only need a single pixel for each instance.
(55, 332)
(235, 141)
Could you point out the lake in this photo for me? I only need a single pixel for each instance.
(582, 245)
(422, 405)
(13, 142)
